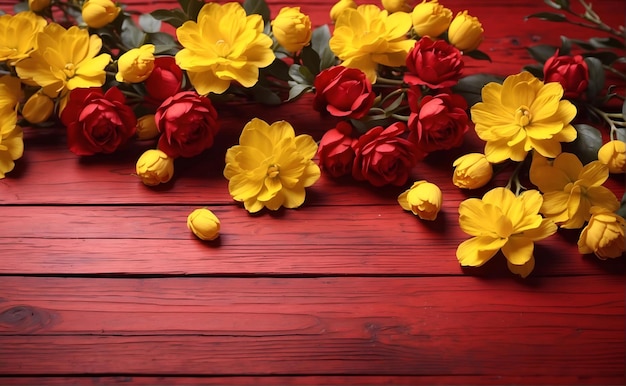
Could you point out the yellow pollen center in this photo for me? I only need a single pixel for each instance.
(523, 116)
(223, 48)
(69, 70)
(273, 171)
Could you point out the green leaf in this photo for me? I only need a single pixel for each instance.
(278, 69)
(622, 209)
(173, 17)
(470, 87)
(558, 4)
(301, 74)
(164, 43)
(624, 110)
(258, 7)
(264, 95)
(298, 90)
(193, 9)
(149, 24)
(542, 52)
(477, 54)
(606, 57)
(587, 143)
(310, 59)
(566, 46)
(550, 16)
(319, 41)
(585, 45)
(608, 42)
(132, 36)
(535, 69)
(21, 7)
(596, 77)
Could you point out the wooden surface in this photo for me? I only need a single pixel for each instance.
(102, 283)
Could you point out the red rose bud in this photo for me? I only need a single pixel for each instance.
(435, 64)
(97, 122)
(438, 122)
(187, 123)
(383, 157)
(165, 80)
(336, 153)
(343, 92)
(570, 71)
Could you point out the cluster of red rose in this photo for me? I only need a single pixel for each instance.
(438, 118)
(100, 122)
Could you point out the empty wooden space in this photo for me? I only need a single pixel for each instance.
(101, 282)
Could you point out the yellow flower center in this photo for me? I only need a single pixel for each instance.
(523, 116)
(69, 70)
(222, 48)
(273, 171)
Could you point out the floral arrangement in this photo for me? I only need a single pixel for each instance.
(393, 78)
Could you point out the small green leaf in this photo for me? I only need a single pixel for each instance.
(310, 59)
(587, 143)
(278, 69)
(606, 57)
(193, 9)
(607, 42)
(622, 209)
(470, 87)
(301, 74)
(542, 52)
(164, 43)
(558, 4)
(21, 7)
(258, 7)
(173, 17)
(319, 41)
(298, 90)
(477, 54)
(585, 45)
(264, 95)
(550, 16)
(149, 24)
(566, 46)
(535, 69)
(132, 36)
(596, 77)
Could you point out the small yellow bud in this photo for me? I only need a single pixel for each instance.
(147, 128)
(465, 32)
(38, 5)
(339, 7)
(613, 154)
(135, 65)
(155, 167)
(430, 18)
(424, 199)
(392, 6)
(38, 108)
(292, 29)
(98, 13)
(472, 171)
(603, 235)
(204, 224)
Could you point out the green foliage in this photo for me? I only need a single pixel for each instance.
(550, 16)
(622, 209)
(319, 41)
(587, 143)
(132, 36)
(258, 7)
(541, 52)
(470, 87)
(477, 54)
(174, 17)
(596, 77)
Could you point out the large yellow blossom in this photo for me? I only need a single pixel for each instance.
(522, 114)
(64, 60)
(570, 190)
(271, 166)
(504, 221)
(18, 35)
(366, 36)
(11, 142)
(10, 93)
(224, 45)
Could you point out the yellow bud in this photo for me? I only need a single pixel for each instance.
(465, 32)
(155, 167)
(38, 5)
(204, 224)
(339, 7)
(38, 108)
(472, 171)
(292, 29)
(135, 65)
(430, 18)
(146, 127)
(613, 154)
(603, 235)
(392, 6)
(424, 199)
(98, 13)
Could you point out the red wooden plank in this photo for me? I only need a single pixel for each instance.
(323, 326)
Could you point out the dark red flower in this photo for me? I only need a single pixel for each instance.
(436, 64)
(571, 72)
(343, 92)
(336, 152)
(165, 80)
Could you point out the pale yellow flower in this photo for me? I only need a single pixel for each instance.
(18, 35)
(271, 166)
(38, 5)
(430, 18)
(366, 37)
(423, 199)
(135, 65)
(570, 190)
(10, 93)
(204, 224)
(472, 171)
(154, 167)
(613, 154)
(146, 127)
(339, 7)
(522, 114)
(38, 108)
(604, 235)
(292, 29)
(224, 45)
(392, 6)
(11, 142)
(503, 221)
(98, 13)
(64, 60)
(465, 32)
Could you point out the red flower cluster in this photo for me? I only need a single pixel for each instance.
(571, 72)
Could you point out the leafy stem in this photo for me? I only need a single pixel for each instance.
(609, 119)
(514, 184)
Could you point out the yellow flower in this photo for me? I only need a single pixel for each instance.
(423, 199)
(154, 167)
(98, 13)
(204, 224)
(224, 45)
(11, 142)
(18, 35)
(502, 221)
(64, 60)
(570, 190)
(613, 154)
(392, 6)
(604, 235)
(271, 166)
(10, 93)
(292, 29)
(135, 65)
(339, 7)
(366, 36)
(431, 18)
(38, 108)
(38, 5)
(146, 127)
(523, 114)
(472, 171)
(465, 32)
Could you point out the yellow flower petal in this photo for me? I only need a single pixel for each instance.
(522, 270)
(518, 250)
(478, 250)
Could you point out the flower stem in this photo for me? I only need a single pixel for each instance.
(608, 118)
(514, 180)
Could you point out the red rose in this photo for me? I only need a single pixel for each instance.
(97, 122)
(383, 157)
(343, 92)
(335, 150)
(436, 64)
(571, 71)
(187, 123)
(437, 122)
(165, 80)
